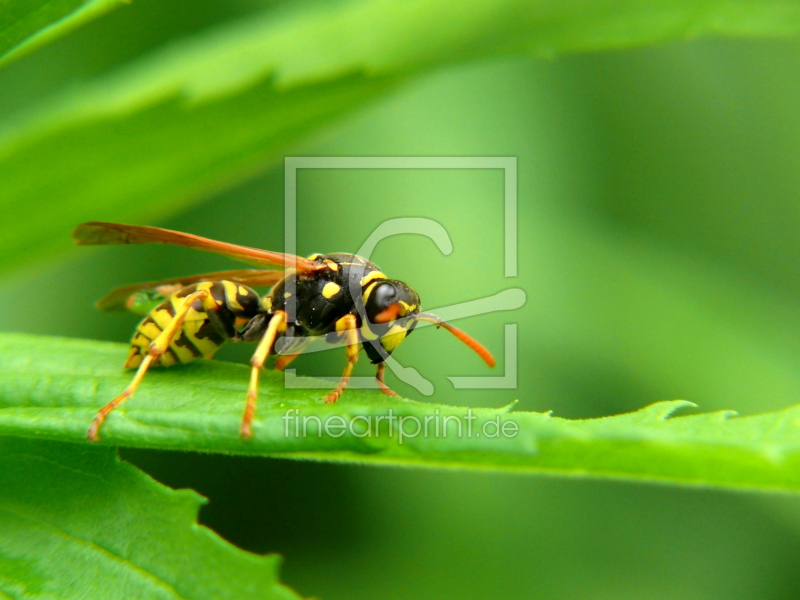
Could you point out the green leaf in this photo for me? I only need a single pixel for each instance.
(76, 522)
(52, 387)
(27, 24)
(148, 137)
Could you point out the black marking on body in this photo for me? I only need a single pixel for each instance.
(208, 332)
(184, 342)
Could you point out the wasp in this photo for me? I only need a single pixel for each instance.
(342, 298)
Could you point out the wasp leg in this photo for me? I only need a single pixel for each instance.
(347, 325)
(381, 383)
(297, 347)
(284, 360)
(158, 347)
(277, 324)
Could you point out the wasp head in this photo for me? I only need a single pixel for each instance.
(390, 306)
(393, 310)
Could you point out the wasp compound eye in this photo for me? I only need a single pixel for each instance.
(381, 298)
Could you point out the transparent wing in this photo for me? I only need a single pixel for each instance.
(129, 297)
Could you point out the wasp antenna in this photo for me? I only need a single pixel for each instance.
(476, 346)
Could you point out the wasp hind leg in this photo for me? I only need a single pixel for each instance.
(382, 384)
(157, 349)
(277, 325)
(348, 326)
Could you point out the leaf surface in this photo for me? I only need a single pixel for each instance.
(51, 387)
(76, 522)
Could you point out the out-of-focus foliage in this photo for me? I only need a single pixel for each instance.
(146, 136)
(657, 247)
(27, 24)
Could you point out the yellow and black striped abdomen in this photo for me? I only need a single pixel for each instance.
(198, 337)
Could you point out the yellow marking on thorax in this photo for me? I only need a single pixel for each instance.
(287, 294)
(314, 256)
(242, 290)
(371, 277)
(330, 290)
(231, 295)
(354, 264)
(266, 303)
(331, 265)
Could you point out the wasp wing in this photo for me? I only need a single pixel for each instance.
(97, 233)
(126, 297)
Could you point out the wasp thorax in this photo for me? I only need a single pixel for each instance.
(389, 299)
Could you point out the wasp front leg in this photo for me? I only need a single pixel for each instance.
(381, 383)
(348, 326)
(157, 349)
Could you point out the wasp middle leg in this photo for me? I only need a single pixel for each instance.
(381, 383)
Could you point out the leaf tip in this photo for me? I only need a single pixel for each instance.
(509, 407)
(665, 409)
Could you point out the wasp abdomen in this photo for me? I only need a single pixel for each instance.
(200, 335)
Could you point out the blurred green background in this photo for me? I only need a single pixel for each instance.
(658, 220)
